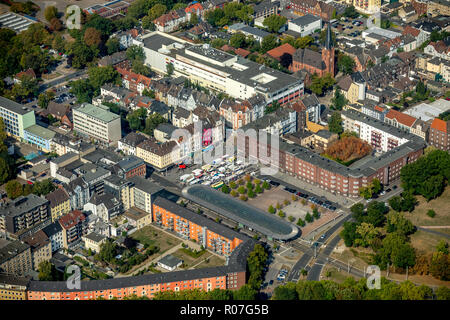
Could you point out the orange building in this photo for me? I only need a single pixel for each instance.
(190, 225)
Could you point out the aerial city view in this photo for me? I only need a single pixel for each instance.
(246, 150)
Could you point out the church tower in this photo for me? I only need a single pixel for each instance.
(328, 53)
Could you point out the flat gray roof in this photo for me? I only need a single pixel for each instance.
(14, 106)
(241, 212)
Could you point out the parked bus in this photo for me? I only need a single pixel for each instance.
(217, 185)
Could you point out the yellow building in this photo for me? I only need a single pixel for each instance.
(367, 6)
(138, 218)
(13, 288)
(41, 248)
(59, 203)
(93, 241)
(158, 155)
(352, 87)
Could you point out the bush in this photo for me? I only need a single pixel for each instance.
(233, 185)
(234, 193)
(241, 190)
(278, 206)
(271, 209)
(303, 202)
(431, 213)
(291, 218)
(309, 218)
(300, 222)
(294, 198)
(243, 197)
(286, 202)
(281, 214)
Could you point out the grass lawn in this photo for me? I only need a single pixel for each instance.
(440, 205)
(358, 257)
(152, 236)
(335, 275)
(425, 241)
(198, 262)
(214, 261)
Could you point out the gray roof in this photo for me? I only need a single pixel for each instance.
(170, 261)
(52, 229)
(11, 250)
(255, 31)
(305, 20)
(130, 162)
(22, 204)
(95, 237)
(239, 211)
(133, 139)
(145, 185)
(14, 106)
(268, 120)
(95, 174)
(166, 128)
(65, 157)
(99, 154)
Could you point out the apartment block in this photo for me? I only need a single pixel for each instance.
(59, 203)
(41, 248)
(440, 134)
(13, 288)
(16, 258)
(74, 226)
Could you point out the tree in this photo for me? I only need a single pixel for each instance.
(82, 89)
(194, 19)
(385, 24)
(339, 100)
(345, 64)
(112, 45)
(226, 189)
(335, 124)
(396, 203)
(432, 187)
(13, 189)
(309, 218)
(268, 43)
(367, 233)
(376, 186)
(320, 84)
(47, 271)
(440, 266)
(50, 12)
(56, 24)
(135, 52)
(431, 213)
(98, 76)
(300, 222)
(108, 250)
(350, 12)
(81, 54)
(5, 169)
(442, 293)
(246, 292)
(43, 187)
(287, 292)
(156, 11)
(238, 40)
(442, 247)
(104, 25)
(266, 185)
(274, 22)
(281, 214)
(396, 222)
(303, 42)
(376, 213)
(170, 69)
(271, 209)
(44, 98)
(92, 37)
(349, 233)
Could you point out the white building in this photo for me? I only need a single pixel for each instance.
(305, 25)
(381, 136)
(97, 122)
(217, 70)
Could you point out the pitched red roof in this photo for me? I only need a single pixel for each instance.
(411, 30)
(71, 219)
(440, 125)
(277, 52)
(29, 72)
(402, 118)
(227, 47)
(242, 52)
(194, 7)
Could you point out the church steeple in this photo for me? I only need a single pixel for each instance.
(328, 42)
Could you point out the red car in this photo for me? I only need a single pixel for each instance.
(182, 166)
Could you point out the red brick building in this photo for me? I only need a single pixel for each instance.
(314, 62)
(314, 7)
(440, 134)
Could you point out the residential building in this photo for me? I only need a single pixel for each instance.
(74, 226)
(158, 155)
(39, 136)
(61, 144)
(129, 143)
(134, 81)
(109, 9)
(16, 117)
(439, 49)
(281, 121)
(189, 225)
(367, 6)
(104, 206)
(315, 7)
(130, 166)
(138, 218)
(163, 132)
(16, 259)
(256, 33)
(142, 194)
(440, 134)
(119, 188)
(41, 248)
(312, 106)
(54, 233)
(24, 214)
(59, 203)
(97, 122)
(93, 241)
(353, 87)
(13, 287)
(170, 21)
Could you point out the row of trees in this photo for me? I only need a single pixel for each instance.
(351, 289)
(15, 189)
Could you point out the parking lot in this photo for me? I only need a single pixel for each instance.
(221, 170)
(350, 27)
